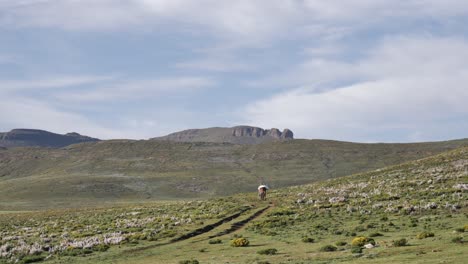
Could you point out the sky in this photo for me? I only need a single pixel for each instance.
(353, 70)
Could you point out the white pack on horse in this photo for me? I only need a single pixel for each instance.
(262, 192)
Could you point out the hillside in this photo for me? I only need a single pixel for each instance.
(235, 135)
(409, 213)
(40, 138)
(123, 171)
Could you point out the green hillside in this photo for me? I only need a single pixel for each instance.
(125, 171)
(415, 212)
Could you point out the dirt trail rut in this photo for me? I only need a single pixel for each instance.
(235, 226)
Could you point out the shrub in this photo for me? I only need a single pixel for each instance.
(328, 248)
(376, 234)
(361, 241)
(268, 251)
(400, 242)
(425, 235)
(360, 228)
(283, 211)
(32, 258)
(458, 240)
(341, 243)
(191, 261)
(460, 230)
(101, 247)
(356, 250)
(308, 240)
(215, 241)
(240, 242)
(76, 252)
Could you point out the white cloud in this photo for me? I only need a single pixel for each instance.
(50, 82)
(215, 65)
(407, 87)
(250, 20)
(140, 89)
(5, 58)
(28, 113)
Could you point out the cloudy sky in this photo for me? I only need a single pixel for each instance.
(355, 70)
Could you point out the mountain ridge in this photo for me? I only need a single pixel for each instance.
(23, 137)
(235, 135)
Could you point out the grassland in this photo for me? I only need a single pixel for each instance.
(416, 212)
(121, 172)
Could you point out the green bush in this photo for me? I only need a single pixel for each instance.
(101, 247)
(268, 251)
(425, 235)
(360, 228)
(400, 242)
(32, 258)
(376, 234)
(356, 250)
(191, 261)
(341, 243)
(328, 248)
(76, 252)
(215, 241)
(283, 211)
(308, 240)
(458, 240)
(240, 242)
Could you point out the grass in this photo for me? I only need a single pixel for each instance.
(109, 172)
(397, 203)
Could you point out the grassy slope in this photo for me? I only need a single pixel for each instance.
(126, 171)
(397, 202)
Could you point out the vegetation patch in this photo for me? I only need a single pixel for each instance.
(400, 242)
(308, 240)
(424, 234)
(361, 241)
(328, 248)
(215, 241)
(240, 242)
(268, 251)
(458, 240)
(189, 261)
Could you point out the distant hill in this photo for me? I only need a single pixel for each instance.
(40, 138)
(128, 170)
(235, 135)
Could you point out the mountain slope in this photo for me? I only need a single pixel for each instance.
(414, 212)
(235, 135)
(40, 138)
(123, 170)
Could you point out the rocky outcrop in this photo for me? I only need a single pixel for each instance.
(236, 135)
(287, 134)
(242, 131)
(40, 138)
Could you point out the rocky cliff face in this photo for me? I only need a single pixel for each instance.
(40, 138)
(236, 135)
(248, 131)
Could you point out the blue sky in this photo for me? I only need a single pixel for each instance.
(357, 70)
